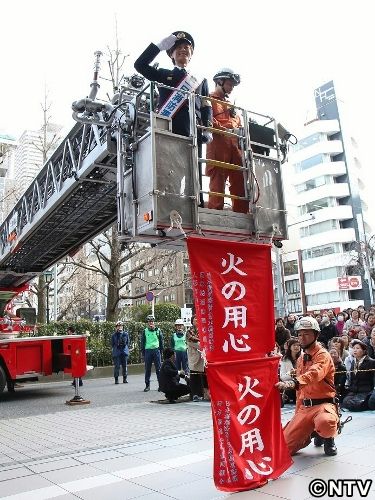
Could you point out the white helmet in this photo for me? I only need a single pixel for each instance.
(178, 322)
(227, 74)
(306, 323)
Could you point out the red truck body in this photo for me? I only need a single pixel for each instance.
(28, 358)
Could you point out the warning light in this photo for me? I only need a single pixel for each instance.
(148, 216)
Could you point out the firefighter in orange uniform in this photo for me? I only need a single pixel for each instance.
(316, 411)
(225, 148)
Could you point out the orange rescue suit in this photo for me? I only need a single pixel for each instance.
(225, 148)
(315, 377)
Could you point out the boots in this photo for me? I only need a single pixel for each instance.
(147, 388)
(318, 440)
(116, 380)
(125, 380)
(330, 447)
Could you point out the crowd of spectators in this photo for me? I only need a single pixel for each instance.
(349, 336)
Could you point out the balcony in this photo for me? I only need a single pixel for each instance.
(333, 236)
(334, 168)
(334, 190)
(341, 212)
(323, 147)
(330, 260)
(328, 127)
(321, 286)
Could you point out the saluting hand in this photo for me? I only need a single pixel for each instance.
(167, 43)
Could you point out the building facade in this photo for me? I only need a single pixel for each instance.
(332, 213)
(8, 147)
(34, 146)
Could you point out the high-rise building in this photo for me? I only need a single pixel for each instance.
(8, 146)
(331, 263)
(33, 147)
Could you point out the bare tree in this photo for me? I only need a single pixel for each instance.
(116, 62)
(46, 143)
(76, 285)
(118, 269)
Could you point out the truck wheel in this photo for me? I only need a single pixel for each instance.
(3, 379)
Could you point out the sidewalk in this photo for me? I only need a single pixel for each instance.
(150, 451)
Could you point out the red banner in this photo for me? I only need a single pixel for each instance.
(233, 293)
(249, 442)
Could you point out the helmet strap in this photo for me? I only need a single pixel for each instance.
(313, 342)
(220, 83)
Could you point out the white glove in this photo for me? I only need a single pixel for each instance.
(207, 137)
(167, 43)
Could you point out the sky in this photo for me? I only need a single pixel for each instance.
(282, 50)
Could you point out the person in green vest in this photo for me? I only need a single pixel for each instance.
(179, 345)
(151, 349)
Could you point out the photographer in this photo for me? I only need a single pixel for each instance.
(169, 379)
(120, 352)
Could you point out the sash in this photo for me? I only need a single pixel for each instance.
(177, 98)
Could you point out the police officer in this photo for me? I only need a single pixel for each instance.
(179, 345)
(120, 352)
(223, 147)
(180, 47)
(316, 411)
(151, 349)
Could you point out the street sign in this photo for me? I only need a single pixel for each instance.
(349, 283)
(149, 296)
(186, 315)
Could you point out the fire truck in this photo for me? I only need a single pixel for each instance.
(122, 162)
(25, 357)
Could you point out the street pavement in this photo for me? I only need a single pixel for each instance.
(124, 445)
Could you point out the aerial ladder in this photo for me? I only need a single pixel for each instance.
(121, 162)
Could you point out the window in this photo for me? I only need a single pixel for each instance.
(321, 227)
(173, 297)
(324, 298)
(156, 271)
(316, 205)
(294, 305)
(149, 272)
(314, 252)
(323, 274)
(309, 162)
(166, 298)
(314, 183)
(292, 286)
(290, 267)
(308, 141)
